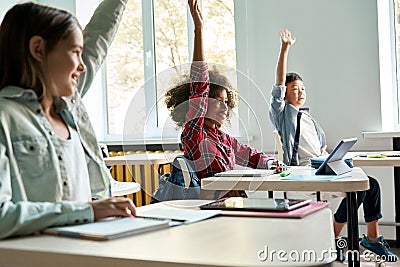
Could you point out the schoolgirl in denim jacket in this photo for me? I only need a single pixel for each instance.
(51, 165)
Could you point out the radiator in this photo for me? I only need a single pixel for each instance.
(146, 175)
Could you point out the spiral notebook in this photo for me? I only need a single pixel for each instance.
(109, 229)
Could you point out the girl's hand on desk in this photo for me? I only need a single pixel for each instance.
(113, 207)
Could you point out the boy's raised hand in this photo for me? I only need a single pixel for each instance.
(196, 13)
(287, 38)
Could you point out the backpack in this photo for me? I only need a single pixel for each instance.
(181, 183)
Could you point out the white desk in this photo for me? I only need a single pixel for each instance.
(365, 161)
(357, 182)
(220, 241)
(395, 136)
(383, 162)
(141, 159)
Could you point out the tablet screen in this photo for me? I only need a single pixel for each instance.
(256, 204)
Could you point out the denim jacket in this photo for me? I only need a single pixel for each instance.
(284, 119)
(30, 178)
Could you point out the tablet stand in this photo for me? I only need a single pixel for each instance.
(334, 163)
(338, 167)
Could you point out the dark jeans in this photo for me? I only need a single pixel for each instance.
(371, 200)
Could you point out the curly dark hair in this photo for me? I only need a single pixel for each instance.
(177, 97)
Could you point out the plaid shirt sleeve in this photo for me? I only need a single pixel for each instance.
(250, 157)
(192, 133)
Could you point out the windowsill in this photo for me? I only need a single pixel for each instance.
(158, 141)
(381, 134)
(147, 141)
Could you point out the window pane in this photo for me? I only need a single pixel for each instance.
(125, 72)
(397, 26)
(125, 64)
(172, 43)
(171, 48)
(219, 39)
(220, 45)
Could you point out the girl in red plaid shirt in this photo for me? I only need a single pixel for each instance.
(200, 106)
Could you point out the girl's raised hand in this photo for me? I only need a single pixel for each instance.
(287, 38)
(196, 13)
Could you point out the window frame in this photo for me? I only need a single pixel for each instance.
(390, 101)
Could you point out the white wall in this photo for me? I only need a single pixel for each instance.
(336, 53)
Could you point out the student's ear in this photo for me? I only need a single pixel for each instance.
(37, 47)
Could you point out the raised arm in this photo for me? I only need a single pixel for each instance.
(199, 84)
(281, 67)
(198, 51)
(277, 103)
(99, 34)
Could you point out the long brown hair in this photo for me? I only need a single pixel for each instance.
(20, 24)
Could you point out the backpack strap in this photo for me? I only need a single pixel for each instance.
(185, 171)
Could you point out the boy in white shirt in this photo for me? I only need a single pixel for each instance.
(303, 138)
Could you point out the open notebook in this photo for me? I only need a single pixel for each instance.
(109, 229)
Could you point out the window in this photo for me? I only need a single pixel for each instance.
(389, 63)
(125, 72)
(397, 51)
(150, 51)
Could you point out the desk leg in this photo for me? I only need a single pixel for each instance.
(396, 147)
(353, 255)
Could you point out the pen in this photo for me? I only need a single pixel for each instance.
(376, 156)
(285, 173)
(162, 218)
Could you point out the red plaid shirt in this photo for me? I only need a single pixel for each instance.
(210, 149)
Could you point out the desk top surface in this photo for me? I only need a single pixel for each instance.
(220, 241)
(365, 161)
(141, 159)
(356, 181)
